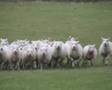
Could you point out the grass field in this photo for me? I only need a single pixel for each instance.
(87, 21)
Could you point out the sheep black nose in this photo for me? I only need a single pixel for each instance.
(58, 47)
(1, 49)
(15, 52)
(43, 54)
(36, 49)
(29, 55)
(74, 48)
(105, 45)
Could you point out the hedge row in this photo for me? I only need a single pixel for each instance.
(56, 0)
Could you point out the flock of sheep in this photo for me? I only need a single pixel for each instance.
(26, 54)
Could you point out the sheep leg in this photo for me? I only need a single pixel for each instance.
(107, 59)
(78, 63)
(11, 66)
(73, 64)
(41, 66)
(68, 61)
(52, 63)
(18, 65)
(2, 65)
(85, 62)
(91, 62)
(34, 64)
(104, 60)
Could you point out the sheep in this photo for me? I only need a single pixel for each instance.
(74, 52)
(89, 54)
(1, 57)
(59, 53)
(44, 55)
(27, 56)
(105, 50)
(14, 58)
(7, 56)
(4, 41)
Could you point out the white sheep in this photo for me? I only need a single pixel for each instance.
(59, 53)
(74, 52)
(105, 50)
(89, 54)
(44, 55)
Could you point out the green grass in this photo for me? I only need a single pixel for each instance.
(87, 21)
(99, 78)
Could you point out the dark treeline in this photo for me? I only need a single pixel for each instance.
(55, 0)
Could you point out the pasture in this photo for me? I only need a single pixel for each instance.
(40, 20)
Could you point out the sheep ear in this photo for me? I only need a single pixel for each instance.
(47, 38)
(102, 38)
(51, 44)
(77, 42)
(94, 45)
(76, 38)
(30, 41)
(108, 38)
(4, 37)
(69, 37)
